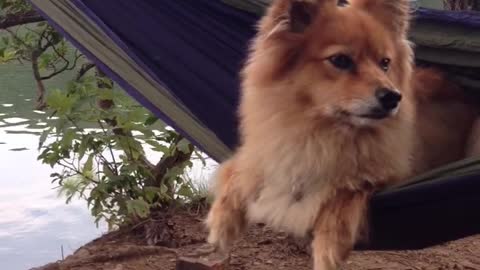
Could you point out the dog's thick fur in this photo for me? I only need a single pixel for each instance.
(308, 161)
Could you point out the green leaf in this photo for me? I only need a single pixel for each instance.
(163, 189)
(70, 188)
(68, 137)
(138, 207)
(83, 147)
(5, 41)
(151, 193)
(158, 147)
(61, 102)
(184, 146)
(106, 94)
(44, 60)
(136, 115)
(185, 190)
(55, 37)
(8, 55)
(146, 132)
(88, 166)
(153, 143)
(174, 172)
(60, 126)
(130, 146)
(151, 120)
(44, 137)
(108, 172)
(107, 82)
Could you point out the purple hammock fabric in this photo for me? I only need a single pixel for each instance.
(196, 48)
(464, 18)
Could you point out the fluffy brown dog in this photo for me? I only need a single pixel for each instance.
(330, 112)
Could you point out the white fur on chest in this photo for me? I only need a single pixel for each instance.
(293, 191)
(276, 206)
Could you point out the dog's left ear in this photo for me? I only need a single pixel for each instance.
(301, 15)
(394, 14)
(294, 16)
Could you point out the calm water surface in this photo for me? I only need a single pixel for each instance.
(34, 222)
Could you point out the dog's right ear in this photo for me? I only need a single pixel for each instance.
(394, 14)
(294, 16)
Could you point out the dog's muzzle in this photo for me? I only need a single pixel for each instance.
(388, 101)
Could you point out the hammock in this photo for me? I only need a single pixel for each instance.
(180, 59)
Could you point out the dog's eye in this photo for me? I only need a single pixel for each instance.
(385, 64)
(342, 61)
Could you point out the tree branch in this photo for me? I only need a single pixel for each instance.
(56, 72)
(110, 148)
(83, 70)
(12, 20)
(65, 67)
(40, 86)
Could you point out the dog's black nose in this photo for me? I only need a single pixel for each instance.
(388, 98)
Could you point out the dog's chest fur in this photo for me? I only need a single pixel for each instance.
(299, 176)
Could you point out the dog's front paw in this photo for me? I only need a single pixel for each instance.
(224, 228)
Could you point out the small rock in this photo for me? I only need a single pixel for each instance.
(212, 262)
(470, 266)
(265, 242)
(118, 267)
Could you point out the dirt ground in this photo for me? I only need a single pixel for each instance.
(260, 249)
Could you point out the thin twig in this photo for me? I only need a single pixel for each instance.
(77, 171)
(83, 70)
(65, 67)
(109, 147)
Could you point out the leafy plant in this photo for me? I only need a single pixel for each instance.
(97, 136)
(98, 141)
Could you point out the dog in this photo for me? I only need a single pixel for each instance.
(332, 109)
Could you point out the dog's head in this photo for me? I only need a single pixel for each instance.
(331, 59)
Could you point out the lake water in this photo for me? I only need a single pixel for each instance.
(34, 222)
